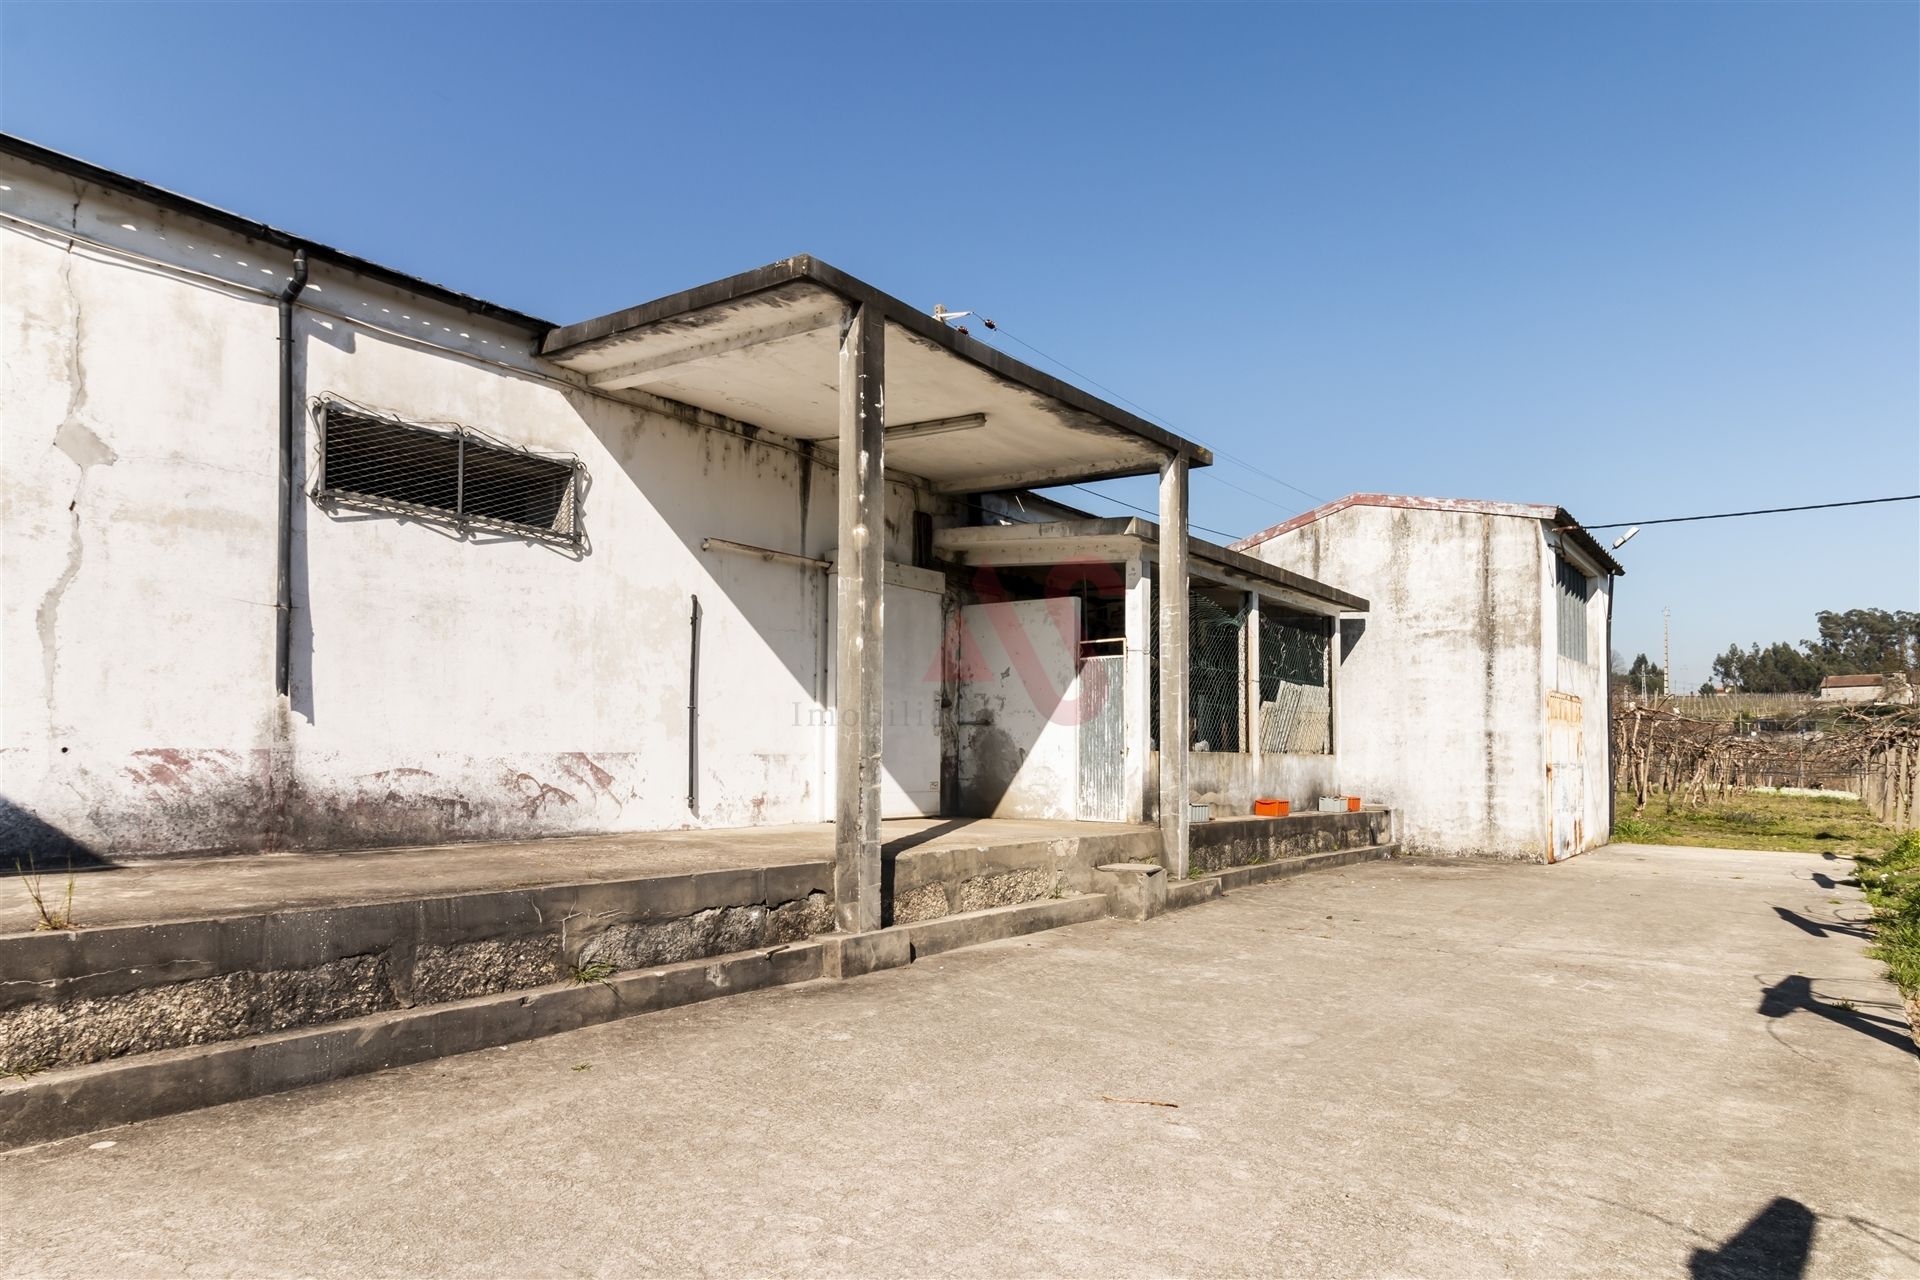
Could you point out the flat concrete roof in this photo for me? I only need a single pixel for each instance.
(762, 347)
(1095, 538)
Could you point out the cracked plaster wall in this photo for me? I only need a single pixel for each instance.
(444, 687)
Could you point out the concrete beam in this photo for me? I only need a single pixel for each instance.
(1172, 594)
(1044, 477)
(659, 368)
(859, 683)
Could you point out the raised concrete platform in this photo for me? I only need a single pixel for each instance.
(152, 1006)
(192, 888)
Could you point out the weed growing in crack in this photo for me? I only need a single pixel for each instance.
(592, 971)
(47, 916)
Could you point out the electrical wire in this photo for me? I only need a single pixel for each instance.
(1763, 511)
(1222, 533)
(1146, 412)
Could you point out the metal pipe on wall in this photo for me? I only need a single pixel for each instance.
(693, 715)
(289, 406)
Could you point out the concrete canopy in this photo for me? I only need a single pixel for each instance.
(763, 348)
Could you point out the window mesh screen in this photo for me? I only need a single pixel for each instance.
(376, 462)
(1216, 635)
(1296, 708)
(1572, 611)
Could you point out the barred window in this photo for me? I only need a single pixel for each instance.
(445, 473)
(1296, 706)
(1572, 592)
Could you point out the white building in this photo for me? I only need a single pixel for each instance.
(1862, 688)
(1473, 698)
(299, 552)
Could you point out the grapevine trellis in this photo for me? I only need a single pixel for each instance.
(1872, 750)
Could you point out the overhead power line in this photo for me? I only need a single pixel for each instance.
(1222, 533)
(1763, 511)
(1144, 411)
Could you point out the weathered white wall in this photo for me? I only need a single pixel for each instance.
(443, 687)
(1231, 781)
(1439, 692)
(910, 747)
(1017, 707)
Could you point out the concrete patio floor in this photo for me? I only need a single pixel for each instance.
(1645, 1062)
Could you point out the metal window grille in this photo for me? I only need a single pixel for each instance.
(447, 473)
(1216, 648)
(1571, 596)
(1216, 634)
(1296, 707)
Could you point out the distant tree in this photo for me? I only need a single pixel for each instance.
(1778, 668)
(1643, 678)
(1866, 641)
(1706, 689)
(1853, 642)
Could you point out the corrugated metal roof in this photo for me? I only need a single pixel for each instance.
(1851, 682)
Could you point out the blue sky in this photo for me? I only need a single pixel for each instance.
(1638, 260)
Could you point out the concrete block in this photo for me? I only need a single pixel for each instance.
(1134, 890)
(1191, 893)
(848, 955)
(949, 933)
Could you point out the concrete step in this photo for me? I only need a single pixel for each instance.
(1212, 884)
(60, 1103)
(1232, 878)
(848, 955)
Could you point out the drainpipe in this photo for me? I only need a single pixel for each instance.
(1613, 789)
(283, 592)
(693, 716)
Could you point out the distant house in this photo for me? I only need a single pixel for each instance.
(1473, 697)
(1864, 688)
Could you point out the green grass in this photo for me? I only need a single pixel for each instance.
(1752, 820)
(1891, 881)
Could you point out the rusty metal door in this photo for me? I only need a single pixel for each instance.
(1566, 776)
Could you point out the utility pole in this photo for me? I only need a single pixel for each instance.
(1666, 650)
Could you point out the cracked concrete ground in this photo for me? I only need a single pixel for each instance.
(1647, 1062)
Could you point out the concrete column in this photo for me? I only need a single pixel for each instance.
(1139, 687)
(1172, 593)
(859, 674)
(1250, 680)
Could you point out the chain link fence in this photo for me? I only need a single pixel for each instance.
(1216, 644)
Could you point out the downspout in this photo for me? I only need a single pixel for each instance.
(693, 716)
(1613, 788)
(283, 590)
